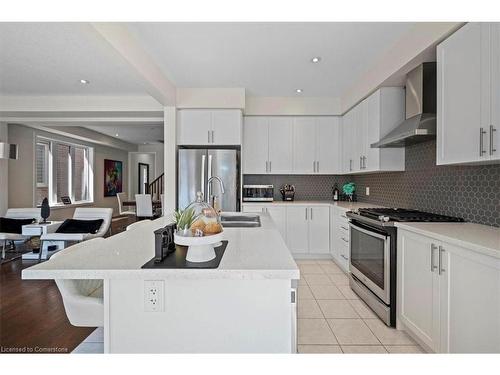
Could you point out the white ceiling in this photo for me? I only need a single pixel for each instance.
(268, 59)
(137, 134)
(51, 58)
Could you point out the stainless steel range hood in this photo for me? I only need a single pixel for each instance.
(420, 123)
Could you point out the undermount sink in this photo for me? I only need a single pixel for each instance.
(239, 220)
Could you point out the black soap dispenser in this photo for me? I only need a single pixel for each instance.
(335, 193)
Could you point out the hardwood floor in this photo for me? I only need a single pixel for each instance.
(32, 317)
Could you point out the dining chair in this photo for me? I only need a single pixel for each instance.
(143, 206)
(162, 200)
(121, 198)
(82, 299)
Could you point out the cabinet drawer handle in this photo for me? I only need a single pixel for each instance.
(433, 248)
(343, 256)
(317, 166)
(267, 166)
(270, 166)
(492, 149)
(343, 239)
(344, 228)
(208, 136)
(441, 251)
(481, 146)
(306, 213)
(314, 166)
(311, 213)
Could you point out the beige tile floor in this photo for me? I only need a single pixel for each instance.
(332, 319)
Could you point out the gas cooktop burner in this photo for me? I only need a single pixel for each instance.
(401, 214)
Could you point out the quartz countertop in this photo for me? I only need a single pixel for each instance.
(251, 253)
(476, 237)
(348, 206)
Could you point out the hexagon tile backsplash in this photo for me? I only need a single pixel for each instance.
(468, 191)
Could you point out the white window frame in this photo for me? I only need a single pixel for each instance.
(52, 178)
(45, 182)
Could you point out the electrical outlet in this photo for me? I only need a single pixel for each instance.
(154, 291)
(367, 190)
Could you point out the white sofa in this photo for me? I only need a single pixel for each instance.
(82, 299)
(81, 213)
(18, 213)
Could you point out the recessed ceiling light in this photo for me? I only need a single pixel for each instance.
(298, 91)
(316, 59)
(116, 135)
(84, 81)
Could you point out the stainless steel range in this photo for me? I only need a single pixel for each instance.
(373, 251)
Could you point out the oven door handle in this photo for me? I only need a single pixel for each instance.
(368, 232)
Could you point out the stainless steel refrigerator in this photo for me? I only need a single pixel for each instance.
(196, 165)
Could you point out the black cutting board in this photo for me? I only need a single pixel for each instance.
(178, 259)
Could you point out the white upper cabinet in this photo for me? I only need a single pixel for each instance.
(280, 145)
(494, 131)
(467, 95)
(194, 127)
(256, 145)
(328, 145)
(291, 145)
(365, 124)
(209, 127)
(226, 127)
(304, 145)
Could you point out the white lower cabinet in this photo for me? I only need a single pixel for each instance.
(339, 247)
(308, 229)
(305, 228)
(448, 296)
(419, 287)
(277, 213)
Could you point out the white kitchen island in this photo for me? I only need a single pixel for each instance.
(246, 305)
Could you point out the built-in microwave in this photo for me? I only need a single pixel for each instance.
(258, 193)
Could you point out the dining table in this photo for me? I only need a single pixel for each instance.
(132, 203)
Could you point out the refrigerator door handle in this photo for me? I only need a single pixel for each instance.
(202, 189)
(209, 175)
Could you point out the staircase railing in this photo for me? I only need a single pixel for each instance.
(155, 188)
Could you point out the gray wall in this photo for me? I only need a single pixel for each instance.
(21, 171)
(468, 191)
(471, 192)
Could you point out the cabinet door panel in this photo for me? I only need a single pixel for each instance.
(371, 127)
(278, 214)
(280, 145)
(461, 93)
(495, 92)
(319, 230)
(226, 126)
(328, 145)
(255, 145)
(297, 229)
(194, 126)
(304, 145)
(347, 133)
(470, 302)
(419, 287)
